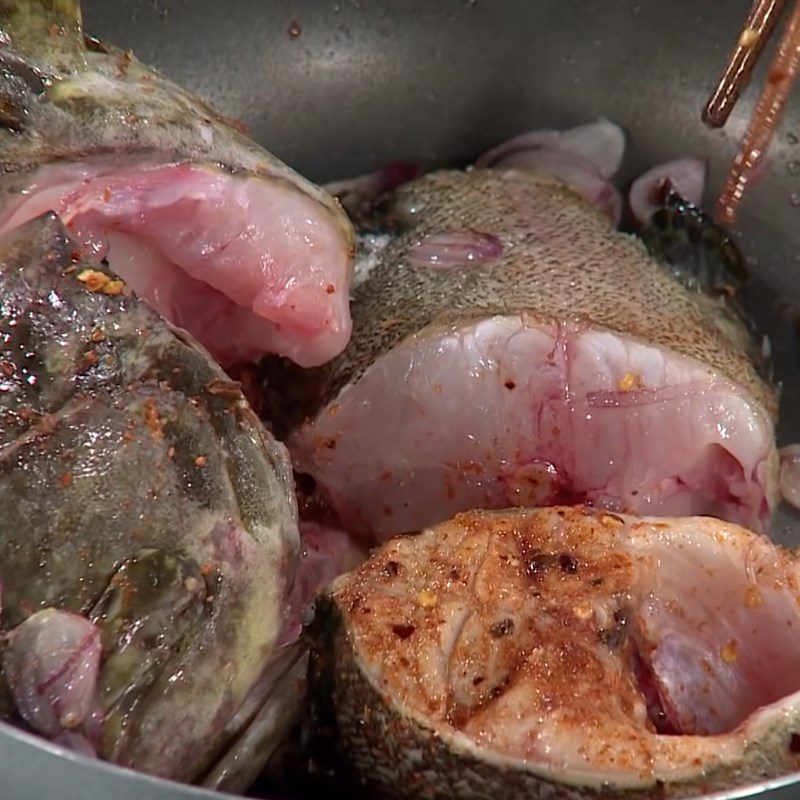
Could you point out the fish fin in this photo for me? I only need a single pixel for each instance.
(256, 735)
(701, 255)
(46, 33)
(698, 252)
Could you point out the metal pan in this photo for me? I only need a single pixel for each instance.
(338, 87)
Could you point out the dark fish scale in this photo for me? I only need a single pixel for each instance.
(701, 256)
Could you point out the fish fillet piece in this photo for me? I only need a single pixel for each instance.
(512, 348)
(563, 652)
(216, 233)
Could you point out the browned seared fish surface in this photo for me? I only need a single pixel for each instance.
(563, 653)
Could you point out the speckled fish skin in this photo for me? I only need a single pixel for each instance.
(137, 488)
(524, 653)
(562, 260)
(563, 268)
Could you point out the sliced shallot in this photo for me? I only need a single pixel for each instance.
(584, 157)
(790, 474)
(648, 192)
(575, 171)
(51, 664)
(601, 143)
(455, 249)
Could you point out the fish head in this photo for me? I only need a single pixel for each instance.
(143, 495)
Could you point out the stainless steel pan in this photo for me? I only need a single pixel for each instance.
(338, 87)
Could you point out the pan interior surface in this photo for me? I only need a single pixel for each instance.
(337, 88)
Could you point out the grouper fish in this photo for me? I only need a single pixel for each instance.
(149, 537)
(212, 230)
(562, 653)
(511, 347)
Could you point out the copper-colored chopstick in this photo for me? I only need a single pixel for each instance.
(760, 23)
(780, 79)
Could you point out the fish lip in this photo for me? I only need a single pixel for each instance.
(285, 667)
